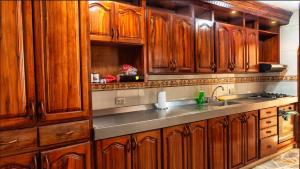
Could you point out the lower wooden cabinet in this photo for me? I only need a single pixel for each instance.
(23, 161)
(251, 137)
(138, 151)
(185, 146)
(75, 157)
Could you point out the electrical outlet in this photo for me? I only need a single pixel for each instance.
(120, 100)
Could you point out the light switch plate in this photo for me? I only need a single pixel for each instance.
(120, 100)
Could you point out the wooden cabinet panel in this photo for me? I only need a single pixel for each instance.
(17, 99)
(251, 136)
(271, 131)
(198, 145)
(269, 112)
(129, 22)
(102, 21)
(269, 122)
(64, 132)
(236, 141)
(147, 150)
(12, 141)
(159, 41)
(183, 39)
(223, 47)
(204, 46)
(75, 157)
(175, 147)
(238, 49)
(23, 161)
(268, 146)
(252, 48)
(217, 140)
(114, 153)
(62, 51)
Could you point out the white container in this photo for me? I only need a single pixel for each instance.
(162, 100)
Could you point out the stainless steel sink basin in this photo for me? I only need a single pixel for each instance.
(222, 103)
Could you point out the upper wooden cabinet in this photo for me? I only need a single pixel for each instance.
(17, 98)
(170, 42)
(75, 157)
(159, 41)
(223, 47)
(252, 50)
(116, 22)
(204, 46)
(238, 55)
(62, 52)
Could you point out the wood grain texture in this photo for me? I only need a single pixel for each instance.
(271, 131)
(75, 157)
(23, 161)
(147, 150)
(238, 49)
(62, 51)
(102, 21)
(114, 153)
(64, 132)
(268, 122)
(183, 43)
(175, 147)
(252, 48)
(17, 86)
(251, 133)
(159, 26)
(13, 141)
(218, 142)
(204, 46)
(268, 112)
(268, 146)
(223, 47)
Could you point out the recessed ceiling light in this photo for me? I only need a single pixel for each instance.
(233, 12)
(273, 22)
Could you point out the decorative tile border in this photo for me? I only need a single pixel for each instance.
(190, 82)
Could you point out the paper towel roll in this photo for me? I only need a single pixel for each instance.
(162, 100)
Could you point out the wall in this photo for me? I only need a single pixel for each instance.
(289, 42)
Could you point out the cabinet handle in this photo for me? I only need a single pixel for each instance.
(45, 162)
(34, 162)
(268, 112)
(42, 110)
(65, 134)
(247, 66)
(128, 146)
(268, 122)
(268, 132)
(31, 111)
(112, 33)
(118, 33)
(269, 146)
(171, 65)
(134, 143)
(8, 143)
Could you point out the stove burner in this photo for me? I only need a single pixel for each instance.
(273, 95)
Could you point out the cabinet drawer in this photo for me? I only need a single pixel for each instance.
(65, 132)
(268, 132)
(269, 122)
(269, 112)
(287, 108)
(268, 146)
(17, 140)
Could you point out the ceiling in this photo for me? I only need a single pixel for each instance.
(287, 5)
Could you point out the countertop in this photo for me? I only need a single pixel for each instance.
(139, 121)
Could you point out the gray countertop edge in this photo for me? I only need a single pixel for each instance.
(146, 125)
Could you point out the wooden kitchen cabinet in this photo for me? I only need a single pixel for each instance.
(236, 141)
(204, 46)
(146, 150)
(183, 43)
(17, 86)
(237, 57)
(252, 50)
(62, 52)
(223, 47)
(116, 22)
(251, 134)
(75, 157)
(159, 41)
(22, 161)
(101, 15)
(218, 143)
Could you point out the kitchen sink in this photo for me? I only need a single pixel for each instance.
(223, 103)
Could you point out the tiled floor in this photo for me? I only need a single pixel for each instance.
(288, 160)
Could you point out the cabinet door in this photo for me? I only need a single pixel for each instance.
(129, 23)
(251, 137)
(252, 45)
(238, 49)
(114, 153)
(205, 46)
(75, 157)
(236, 141)
(198, 145)
(23, 161)
(101, 21)
(147, 150)
(159, 41)
(62, 52)
(223, 47)
(183, 43)
(175, 141)
(17, 98)
(217, 140)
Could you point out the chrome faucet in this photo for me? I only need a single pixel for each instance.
(213, 93)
